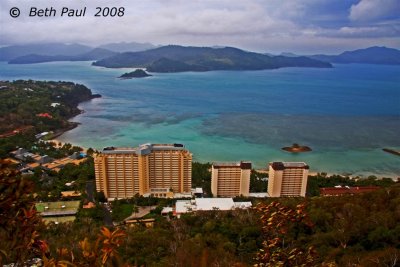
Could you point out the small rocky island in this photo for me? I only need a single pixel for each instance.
(296, 148)
(392, 151)
(139, 73)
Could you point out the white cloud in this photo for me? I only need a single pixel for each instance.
(368, 10)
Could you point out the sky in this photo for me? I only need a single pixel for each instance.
(274, 26)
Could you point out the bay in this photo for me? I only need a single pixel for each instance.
(346, 114)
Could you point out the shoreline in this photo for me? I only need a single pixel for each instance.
(393, 176)
(356, 175)
(57, 142)
(72, 125)
(60, 132)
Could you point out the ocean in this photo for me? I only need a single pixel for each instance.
(346, 114)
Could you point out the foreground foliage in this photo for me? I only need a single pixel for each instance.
(358, 230)
(284, 230)
(21, 228)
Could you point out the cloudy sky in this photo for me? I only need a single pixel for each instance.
(301, 26)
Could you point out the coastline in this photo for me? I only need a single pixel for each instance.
(72, 125)
(59, 144)
(355, 175)
(342, 173)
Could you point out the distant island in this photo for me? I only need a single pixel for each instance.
(173, 58)
(370, 55)
(48, 52)
(392, 151)
(139, 73)
(95, 54)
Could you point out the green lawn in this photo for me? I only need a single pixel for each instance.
(121, 211)
(57, 206)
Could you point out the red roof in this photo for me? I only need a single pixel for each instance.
(338, 191)
(44, 115)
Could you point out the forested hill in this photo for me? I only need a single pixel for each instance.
(95, 54)
(175, 58)
(40, 105)
(370, 55)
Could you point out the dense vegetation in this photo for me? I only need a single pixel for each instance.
(175, 58)
(30, 107)
(359, 230)
(201, 177)
(314, 183)
(22, 101)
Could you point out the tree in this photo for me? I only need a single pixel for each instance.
(258, 182)
(101, 197)
(282, 228)
(90, 151)
(18, 218)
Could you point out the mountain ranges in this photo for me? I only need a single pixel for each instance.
(175, 58)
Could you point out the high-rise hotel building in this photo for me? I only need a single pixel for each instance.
(287, 179)
(230, 179)
(149, 168)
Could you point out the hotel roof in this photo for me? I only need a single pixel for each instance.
(239, 164)
(143, 149)
(288, 165)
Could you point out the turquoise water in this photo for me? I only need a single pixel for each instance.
(346, 114)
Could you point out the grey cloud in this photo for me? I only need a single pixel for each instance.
(376, 31)
(256, 25)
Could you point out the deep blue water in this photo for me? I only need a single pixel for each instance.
(346, 114)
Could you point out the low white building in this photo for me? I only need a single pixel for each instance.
(259, 195)
(208, 204)
(166, 210)
(40, 135)
(55, 104)
(243, 205)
